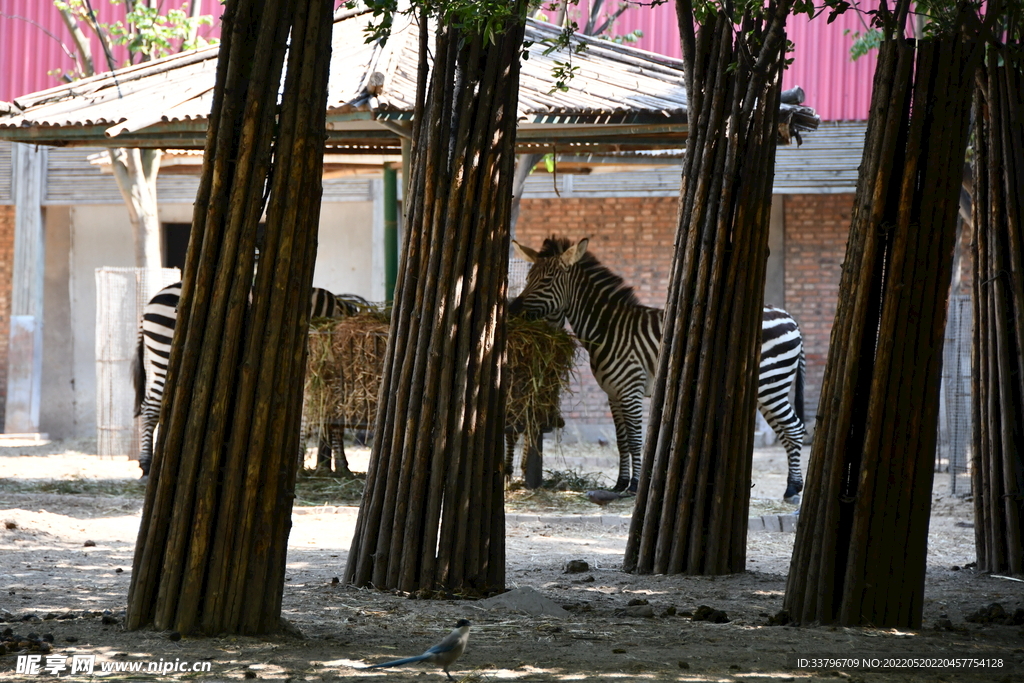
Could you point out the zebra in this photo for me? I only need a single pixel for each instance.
(153, 352)
(622, 336)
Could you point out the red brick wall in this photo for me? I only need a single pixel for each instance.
(6, 267)
(631, 235)
(817, 227)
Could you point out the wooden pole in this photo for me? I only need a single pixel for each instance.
(432, 516)
(859, 557)
(998, 297)
(213, 540)
(691, 508)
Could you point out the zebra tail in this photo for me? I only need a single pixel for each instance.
(798, 399)
(139, 377)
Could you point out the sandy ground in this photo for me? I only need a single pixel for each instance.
(47, 570)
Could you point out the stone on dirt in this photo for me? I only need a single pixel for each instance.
(526, 600)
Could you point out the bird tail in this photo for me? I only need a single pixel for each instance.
(400, 662)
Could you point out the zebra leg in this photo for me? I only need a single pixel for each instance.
(511, 436)
(790, 430)
(627, 415)
(150, 415)
(336, 434)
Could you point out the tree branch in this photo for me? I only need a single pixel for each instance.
(83, 58)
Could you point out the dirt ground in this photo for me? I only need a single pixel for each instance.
(57, 497)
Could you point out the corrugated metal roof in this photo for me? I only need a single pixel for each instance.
(6, 189)
(826, 163)
(617, 91)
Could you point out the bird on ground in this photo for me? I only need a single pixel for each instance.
(602, 498)
(443, 654)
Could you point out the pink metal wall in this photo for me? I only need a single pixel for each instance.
(31, 34)
(839, 89)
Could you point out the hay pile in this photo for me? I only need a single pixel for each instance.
(346, 360)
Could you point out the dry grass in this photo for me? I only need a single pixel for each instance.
(346, 362)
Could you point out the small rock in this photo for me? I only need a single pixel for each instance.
(645, 611)
(174, 635)
(943, 625)
(955, 567)
(576, 567)
(637, 601)
(48, 637)
(684, 665)
(90, 544)
(705, 613)
(670, 611)
(50, 615)
(71, 639)
(10, 524)
(118, 571)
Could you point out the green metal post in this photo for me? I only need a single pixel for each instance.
(390, 231)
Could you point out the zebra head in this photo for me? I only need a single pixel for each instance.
(547, 292)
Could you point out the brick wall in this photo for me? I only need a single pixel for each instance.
(631, 235)
(816, 232)
(6, 267)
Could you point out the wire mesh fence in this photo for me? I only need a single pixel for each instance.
(952, 453)
(121, 294)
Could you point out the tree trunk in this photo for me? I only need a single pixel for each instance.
(861, 543)
(135, 171)
(211, 551)
(691, 509)
(998, 466)
(432, 516)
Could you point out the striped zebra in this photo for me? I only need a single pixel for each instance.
(154, 350)
(622, 337)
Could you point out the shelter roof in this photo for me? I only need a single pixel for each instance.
(621, 98)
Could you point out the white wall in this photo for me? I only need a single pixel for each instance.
(345, 254)
(101, 235)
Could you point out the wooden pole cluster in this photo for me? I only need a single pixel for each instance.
(691, 509)
(432, 516)
(211, 551)
(998, 296)
(861, 543)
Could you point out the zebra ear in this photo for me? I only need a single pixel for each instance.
(524, 253)
(574, 253)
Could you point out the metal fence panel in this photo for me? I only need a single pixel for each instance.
(952, 453)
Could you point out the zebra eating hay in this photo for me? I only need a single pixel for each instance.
(566, 283)
(154, 351)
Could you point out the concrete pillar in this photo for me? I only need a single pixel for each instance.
(25, 355)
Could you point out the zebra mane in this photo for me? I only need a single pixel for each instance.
(615, 288)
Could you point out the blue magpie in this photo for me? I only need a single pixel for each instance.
(443, 654)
